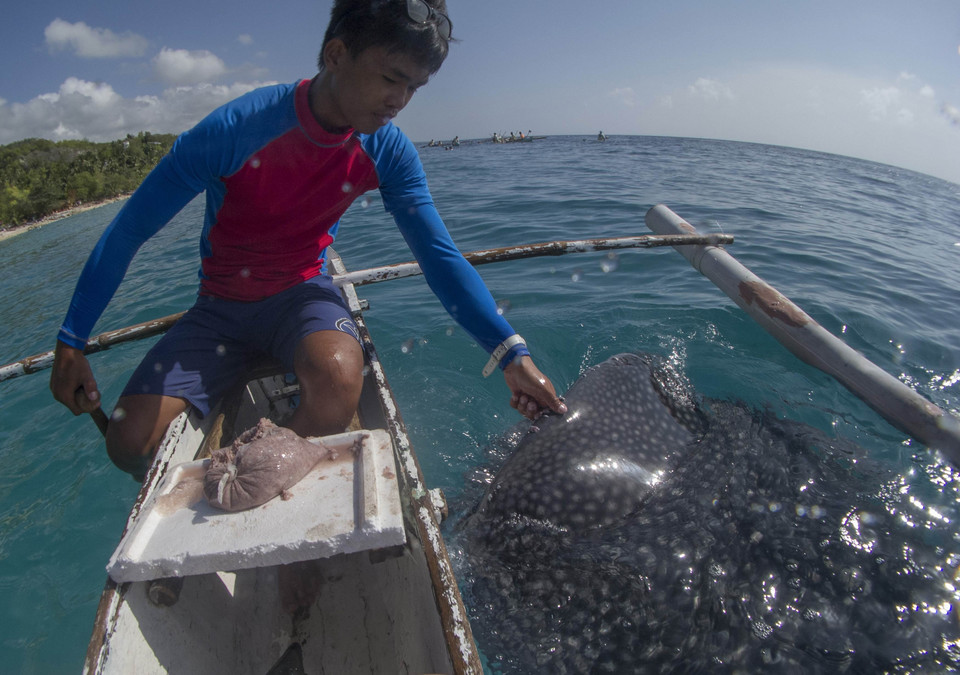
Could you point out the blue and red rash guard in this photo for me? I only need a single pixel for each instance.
(276, 186)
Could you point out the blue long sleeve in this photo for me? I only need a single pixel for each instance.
(454, 281)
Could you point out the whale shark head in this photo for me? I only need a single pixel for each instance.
(627, 420)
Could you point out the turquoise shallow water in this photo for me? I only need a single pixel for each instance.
(872, 252)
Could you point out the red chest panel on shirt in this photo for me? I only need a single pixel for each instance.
(278, 209)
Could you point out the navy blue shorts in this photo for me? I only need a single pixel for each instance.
(215, 343)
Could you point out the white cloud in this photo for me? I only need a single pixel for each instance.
(81, 109)
(245, 39)
(881, 102)
(93, 43)
(182, 67)
(952, 113)
(894, 120)
(710, 90)
(625, 95)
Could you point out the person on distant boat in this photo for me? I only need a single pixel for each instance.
(431, 143)
(601, 137)
(264, 285)
(512, 136)
(456, 140)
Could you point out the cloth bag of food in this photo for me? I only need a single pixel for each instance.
(262, 463)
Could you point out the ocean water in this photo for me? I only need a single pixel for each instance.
(870, 251)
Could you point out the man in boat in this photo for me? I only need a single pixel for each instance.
(279, 166)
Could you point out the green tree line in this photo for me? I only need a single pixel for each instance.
(39, 177)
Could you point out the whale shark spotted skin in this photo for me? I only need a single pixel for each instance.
(647, 530)
(611, 447)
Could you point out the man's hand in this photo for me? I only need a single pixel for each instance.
(71, 372)
(532, 394)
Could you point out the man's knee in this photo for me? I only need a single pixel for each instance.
(128, 449)
(329, 360)
(125, 440)
(329, 368)
(136, 427)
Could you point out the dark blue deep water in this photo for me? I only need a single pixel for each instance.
(870, 251)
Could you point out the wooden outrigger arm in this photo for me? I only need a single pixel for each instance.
(900, 405)
(38, 362)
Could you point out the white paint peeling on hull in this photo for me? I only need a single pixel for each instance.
(464, 637)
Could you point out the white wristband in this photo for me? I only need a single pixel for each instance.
(500, 351)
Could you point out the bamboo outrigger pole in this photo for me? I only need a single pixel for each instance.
(797, 331)
(38, 362)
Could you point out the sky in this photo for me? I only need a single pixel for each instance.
(877, 79)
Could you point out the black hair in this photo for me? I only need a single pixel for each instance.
(384, 23)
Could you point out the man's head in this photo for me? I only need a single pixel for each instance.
(418, 29)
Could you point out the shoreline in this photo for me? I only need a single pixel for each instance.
(59, 215)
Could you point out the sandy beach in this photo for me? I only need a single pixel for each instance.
(59, 215)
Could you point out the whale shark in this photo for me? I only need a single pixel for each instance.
(651, 530)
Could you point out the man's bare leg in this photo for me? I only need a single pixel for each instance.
(136, 427)
(329, 367)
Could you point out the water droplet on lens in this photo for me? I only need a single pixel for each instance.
(158, 367)
(503, 306)
(365, 202)
(366, 370)
(118, 414)
(255, 162)
(245, 272)
(449, 331)
(347, 186)
(407, 346)
(577, 275)
(221, 350)
(610, 263)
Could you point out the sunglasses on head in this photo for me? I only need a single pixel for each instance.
(420, 12)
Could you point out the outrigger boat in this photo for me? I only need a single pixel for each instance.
(378, 611)
(396, 607)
